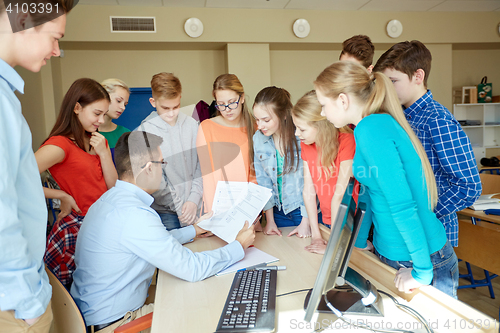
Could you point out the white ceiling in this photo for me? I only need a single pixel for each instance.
(350, 5)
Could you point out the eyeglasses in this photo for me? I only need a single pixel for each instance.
(157, 162)
(230, 106)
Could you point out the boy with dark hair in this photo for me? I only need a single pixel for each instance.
(448, 148)
(122, 240)
(27, 40)
(358, 48)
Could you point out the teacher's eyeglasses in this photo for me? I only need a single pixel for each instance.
(157, 162)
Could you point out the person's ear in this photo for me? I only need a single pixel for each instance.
(419, 76)
(242, 98)
(370, 69)
(343, 100)
(20, 21)
(152, 101)
(78, 108)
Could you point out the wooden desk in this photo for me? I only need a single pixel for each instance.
(479, 214)
(182, 306)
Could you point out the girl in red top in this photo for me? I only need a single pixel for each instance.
(327, 155)
(79, 159)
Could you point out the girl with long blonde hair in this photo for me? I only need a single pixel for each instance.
(327, 154)
(392, 164)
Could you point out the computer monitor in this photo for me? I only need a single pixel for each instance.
(334, 270)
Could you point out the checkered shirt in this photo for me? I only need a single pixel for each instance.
(452, 159)
(61, 243)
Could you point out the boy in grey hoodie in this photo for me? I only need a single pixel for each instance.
(181, 189)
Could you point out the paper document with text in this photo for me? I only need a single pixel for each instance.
(235, 203)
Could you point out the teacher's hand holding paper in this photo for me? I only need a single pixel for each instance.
(202, 232)
(246, 236)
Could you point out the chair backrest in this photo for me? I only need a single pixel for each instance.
(491, 183)
(67, 315)
(478, 245)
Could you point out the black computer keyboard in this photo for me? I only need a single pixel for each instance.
(251, 302)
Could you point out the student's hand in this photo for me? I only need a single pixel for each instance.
(303, 230)
(271, 228)
(31, 321)
(68, 204)
(188, 213)
(318, 245)
(98, 142)
(246, 236)
(258, 226)
(369, 247)
(405, 282)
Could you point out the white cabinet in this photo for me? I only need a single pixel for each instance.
(485, 138)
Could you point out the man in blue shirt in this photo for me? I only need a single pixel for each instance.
(122, 240)
(448, 148)
(26, 40)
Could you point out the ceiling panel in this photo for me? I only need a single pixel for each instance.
(467, 6)
(148, 3)
(272, 4)
(326, 4)
(98, 2)
(184, 3)
(401, 5)
(341, 5)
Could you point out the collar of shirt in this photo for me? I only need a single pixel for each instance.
(420, 104)
(140, 193)
(10, 75)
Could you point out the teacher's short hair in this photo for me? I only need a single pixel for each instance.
(133, 150)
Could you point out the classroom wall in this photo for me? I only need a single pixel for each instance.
(469, 66)
(258, 46)
(195, 69)
(296, 70)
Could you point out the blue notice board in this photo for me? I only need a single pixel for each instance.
(137, 109)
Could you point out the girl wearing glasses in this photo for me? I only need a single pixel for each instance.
(79, 159)
(327, 154)
(119, 93)
(278, 165)
(224, 143)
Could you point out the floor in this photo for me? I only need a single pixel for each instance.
(479, 298)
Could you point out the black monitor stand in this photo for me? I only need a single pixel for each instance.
(352, 302)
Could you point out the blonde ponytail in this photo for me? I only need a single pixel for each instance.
(377, 92)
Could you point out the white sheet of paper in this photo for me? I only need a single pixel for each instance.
(246, 206)
(253, 257)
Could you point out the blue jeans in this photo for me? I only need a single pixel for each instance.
(291, 219)
(445, 263)
(170, 220)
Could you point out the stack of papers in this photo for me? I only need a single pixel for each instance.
(253, 257)
(235, 203)
(487, 201)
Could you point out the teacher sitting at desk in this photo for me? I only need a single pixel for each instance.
(123, 240)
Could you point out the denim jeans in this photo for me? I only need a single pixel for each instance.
(291, 219)
(170, 220)
(445, 271)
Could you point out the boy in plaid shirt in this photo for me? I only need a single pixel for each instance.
(448, 148)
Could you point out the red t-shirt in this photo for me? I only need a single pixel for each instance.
(326, 189)
(79, 174)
